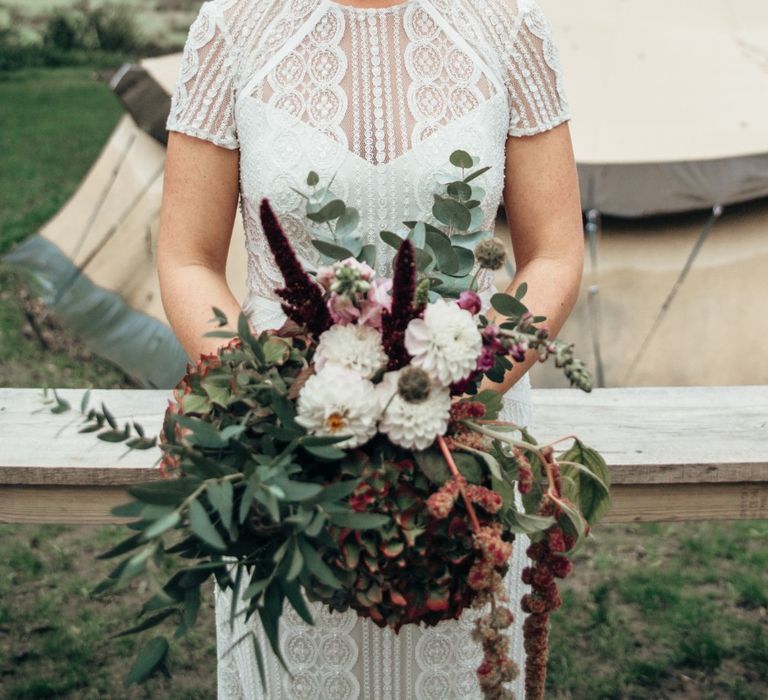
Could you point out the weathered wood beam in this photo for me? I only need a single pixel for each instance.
(693, 453)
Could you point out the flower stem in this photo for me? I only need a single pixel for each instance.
(457, 475)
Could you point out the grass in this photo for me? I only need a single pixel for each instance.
(54, 637)
(652, 611)
(53, 123)
(665, 611)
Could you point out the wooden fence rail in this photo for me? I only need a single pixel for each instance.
(694, 453)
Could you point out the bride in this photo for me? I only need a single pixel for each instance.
(375, 94)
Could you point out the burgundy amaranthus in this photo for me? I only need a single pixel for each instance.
(485, 577)
(394, 322)
(549, 563)
(303, 298)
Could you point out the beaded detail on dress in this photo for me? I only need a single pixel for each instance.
(375, 99)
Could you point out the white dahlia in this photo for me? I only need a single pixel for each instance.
(338, 401)
(445, 343)
(413, 424)
(357, 348)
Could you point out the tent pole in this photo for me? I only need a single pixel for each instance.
(717, 211)
(593, 229)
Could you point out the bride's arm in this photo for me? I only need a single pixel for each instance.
(200, 194)
(542, 202)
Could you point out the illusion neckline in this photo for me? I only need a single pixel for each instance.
(372, 10)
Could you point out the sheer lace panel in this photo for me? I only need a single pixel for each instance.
(534, 77)
(376, 83)
(202, 101)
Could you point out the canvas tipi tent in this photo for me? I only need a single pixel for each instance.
(670, 115)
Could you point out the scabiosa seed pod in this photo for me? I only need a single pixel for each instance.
(414, 384)
(490, 254)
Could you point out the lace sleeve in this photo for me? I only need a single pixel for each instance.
(537, 100)
(203, 97)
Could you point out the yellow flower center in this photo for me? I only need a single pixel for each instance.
(336, 421)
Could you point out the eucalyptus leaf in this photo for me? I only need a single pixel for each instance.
(466, 261)
(461, 159)
(167, 492)
(418, 235)
(161, 525)
(424, 261)
(319, 569)
(476, 173)
(451, 213)
(459, 190)
(508, 305)
(296, 564)
(367, 255)
(296, 599)
(221, 494)
(333, 210)
(470, 240)
(348, 222)
(359, 521)
(146, 624)
(445, 254)
(202, 526)
(150, 659)
(391, 239)
(331, 250)
(476, 216)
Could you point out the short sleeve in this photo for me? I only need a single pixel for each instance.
(533, 75)
(202, 102)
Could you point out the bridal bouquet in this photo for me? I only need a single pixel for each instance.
(350, 458)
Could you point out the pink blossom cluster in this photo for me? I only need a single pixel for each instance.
(363, 305)
(440, 503)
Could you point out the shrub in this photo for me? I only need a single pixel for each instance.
(115, 28)
(65, 31)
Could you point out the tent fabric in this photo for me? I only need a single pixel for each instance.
(647, 189)
(670, 101)
(96, 259)
(144, 347)
(711, 332)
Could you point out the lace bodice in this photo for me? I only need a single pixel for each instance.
(376, 99)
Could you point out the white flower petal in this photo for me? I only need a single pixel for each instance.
(357, 348)
(445, 343)
(338, 401)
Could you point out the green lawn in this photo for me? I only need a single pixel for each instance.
(53, 123)
(651, 611)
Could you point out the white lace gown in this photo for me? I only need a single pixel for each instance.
(376, 98)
